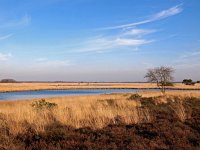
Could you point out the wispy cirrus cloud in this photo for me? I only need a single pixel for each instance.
(158, 16)
(42, 59)
(139, 32)
(191, 54)
(45, 62)
(188, 60)
(104, 43)
(131, 42)
(5, 57)
(23, 21)
(127, 35)
(5, 36)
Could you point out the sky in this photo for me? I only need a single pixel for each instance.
(98, 40)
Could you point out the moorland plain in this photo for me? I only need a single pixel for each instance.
(88, 122)
(9, 87)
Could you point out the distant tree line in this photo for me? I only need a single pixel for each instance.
(8, 81)
(189, 82)
(162, 76)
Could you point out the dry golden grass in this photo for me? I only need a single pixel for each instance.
(94, 111)
(177, 97)
(178, 93)
(6, 87)
(77, 111)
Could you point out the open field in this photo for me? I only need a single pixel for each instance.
(130, 121)
(8, 87)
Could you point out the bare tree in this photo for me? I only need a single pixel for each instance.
(160, 75)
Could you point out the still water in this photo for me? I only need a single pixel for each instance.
(54, 93)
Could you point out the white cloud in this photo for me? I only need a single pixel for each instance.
(191, 54)
(107, 43)
(131, 42)
(158, 16)
(139, 32)
(23, 21)
(125, 37)
(42, 59)
(188, 64)
(45, 63)
(5, 57)
(5, 37)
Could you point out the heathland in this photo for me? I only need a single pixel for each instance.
(144, 120)
(8, 87)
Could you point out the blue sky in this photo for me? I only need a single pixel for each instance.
(98, 40)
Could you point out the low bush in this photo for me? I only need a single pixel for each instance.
(165, 130)
(42, 104)
(135, 97)
(188, 82)
(169, 84)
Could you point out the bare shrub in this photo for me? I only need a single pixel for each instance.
(162, 76)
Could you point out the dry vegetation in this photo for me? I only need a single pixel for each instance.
(126, 121)
(80, 111)
(6, 87)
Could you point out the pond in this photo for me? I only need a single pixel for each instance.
(53, 93)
